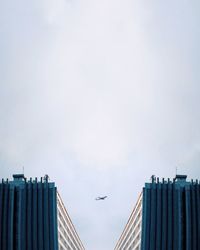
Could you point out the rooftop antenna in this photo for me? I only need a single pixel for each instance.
(176, 170)
(23, 169)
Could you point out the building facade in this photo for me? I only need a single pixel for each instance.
(171, 215)
(166, 217)
(33, 217)
(130, 238)
(67, 236)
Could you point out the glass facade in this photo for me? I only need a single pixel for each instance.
(28, 215)
(171, 215)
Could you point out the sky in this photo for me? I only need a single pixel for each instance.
(99, 95)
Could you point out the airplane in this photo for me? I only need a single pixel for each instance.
(101, 198)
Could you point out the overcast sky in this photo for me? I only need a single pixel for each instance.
(100, 94)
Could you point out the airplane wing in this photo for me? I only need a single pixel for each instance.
(101, 198)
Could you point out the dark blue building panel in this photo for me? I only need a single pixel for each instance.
(171, 215)
(28, 215)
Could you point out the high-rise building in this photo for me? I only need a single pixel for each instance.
(68, 238)
(171, 215)
(131, 235)
(166, 217)
(33, 217)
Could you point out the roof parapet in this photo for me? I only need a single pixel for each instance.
(180, 177)
(18, 177)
